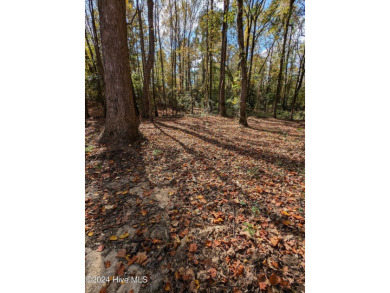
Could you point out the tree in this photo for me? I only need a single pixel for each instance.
(301, 74)
(279, 86)
(222, 107)
(147, 61)
(121, 122)
(244, 78)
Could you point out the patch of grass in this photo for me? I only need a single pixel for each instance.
(255, 211)
(157, 152)
(243, 203)
(253, 172)
(250, 228)
(89, 149)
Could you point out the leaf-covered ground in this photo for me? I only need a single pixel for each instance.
(201, 204)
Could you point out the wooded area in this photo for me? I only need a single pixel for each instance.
(181, 62)
(195, 144)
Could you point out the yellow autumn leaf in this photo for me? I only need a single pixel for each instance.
(124, 236)
(127, 257)
(125, 192)
(197, 284)
(113, 238)
(90, 233)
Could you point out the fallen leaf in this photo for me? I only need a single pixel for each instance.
(132, 260)
(193, 247)
(113, 238)
(121, 253)
(274, 279)
(141, 257)
(90, 233)
(107, 264)
(239, 271)
(218, 221)
(103, 290)
(285, 284)
(124, 235)
(167, 286)
(183, 233)
(274, 241)
(144, 212)
(262, 285)
(175, 223)
(120, 269)
(212, 272)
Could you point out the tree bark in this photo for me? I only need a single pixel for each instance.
(161, 60)
(279, 86)
(244, 78)
(100, 68)
(207, 60)
(222, 107)
(121, 122)
(211, 57)
(145, 88)
(301, 75)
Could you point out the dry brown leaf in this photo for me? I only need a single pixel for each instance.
(212, 272)
(167, 286)
(262, 285)
(120, 269)
(239, 271)
(274, 279)
(141, 257)
(274, 241)
(132, 260)
(121, 253)
(193, 247)
(107, 264)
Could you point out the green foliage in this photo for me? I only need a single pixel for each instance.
(88, 149)
(250, 228)
(253, 172)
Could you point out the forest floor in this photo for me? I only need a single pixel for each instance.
(201, 204)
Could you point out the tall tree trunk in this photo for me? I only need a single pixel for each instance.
(222, 107)
(279, 86)
(101, 85)
(161, 60)
(211, 55)
(207, 60)
(285, 93)
(86, 108)
(145, 89)
(252, 50)
(269, 78)
(150, 61)
(301, 75)
(244, 78)
(154, 95)
(121, 122)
